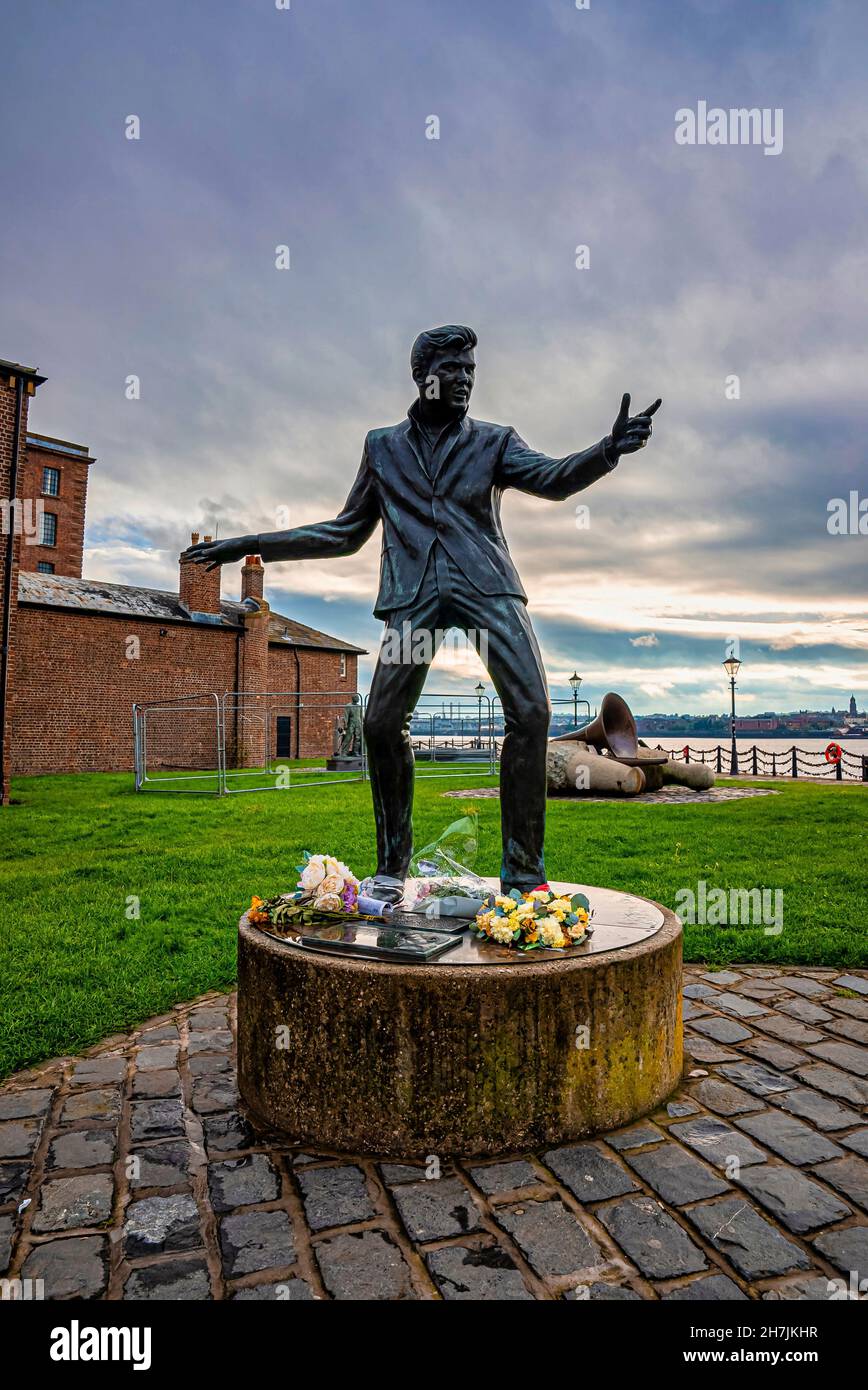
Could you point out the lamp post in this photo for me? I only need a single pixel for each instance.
(731, 666)
(575, 682)
(480, 691)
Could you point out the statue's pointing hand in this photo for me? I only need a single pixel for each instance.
(632, 432)
(211, 554)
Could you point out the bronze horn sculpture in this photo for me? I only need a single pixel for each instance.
(614, 731)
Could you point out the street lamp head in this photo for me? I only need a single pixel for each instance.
(731, 666)
(480, 690)
(575, 681)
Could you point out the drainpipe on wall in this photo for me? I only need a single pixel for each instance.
(238, 640)
(297, 703)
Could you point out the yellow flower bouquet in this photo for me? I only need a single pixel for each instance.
(539, 920)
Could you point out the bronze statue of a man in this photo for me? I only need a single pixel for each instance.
(351, 738)
(435, 482)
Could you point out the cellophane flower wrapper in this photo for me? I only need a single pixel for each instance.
(445, 884)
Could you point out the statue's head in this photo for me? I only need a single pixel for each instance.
(443, 366)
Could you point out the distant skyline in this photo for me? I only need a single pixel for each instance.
(306, 128)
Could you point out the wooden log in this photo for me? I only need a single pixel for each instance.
(698, 776)
(653, 776)
(575, 768)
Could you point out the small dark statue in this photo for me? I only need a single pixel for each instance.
(351, 734)
(435, 482)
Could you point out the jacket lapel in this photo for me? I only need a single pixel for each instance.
(410, 443)
(460, 436)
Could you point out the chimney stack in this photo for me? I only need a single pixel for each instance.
(252, 578)
(199, 588)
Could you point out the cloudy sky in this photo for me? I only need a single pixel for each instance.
(307, 127)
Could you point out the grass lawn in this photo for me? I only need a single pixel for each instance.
(77, 849)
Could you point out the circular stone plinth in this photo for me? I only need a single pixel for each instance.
(453, 1057)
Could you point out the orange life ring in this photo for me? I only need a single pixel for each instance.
(834, 753)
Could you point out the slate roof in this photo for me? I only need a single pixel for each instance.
(19, 369)
(287, 632)
(129, 600)
(50, 445)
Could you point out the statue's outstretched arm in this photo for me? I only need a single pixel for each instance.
(344, 535)
(523, 468)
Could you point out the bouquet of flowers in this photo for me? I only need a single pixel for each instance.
(536, 920)
(328, 883)
(325, 886)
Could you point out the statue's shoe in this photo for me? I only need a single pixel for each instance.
(383, 888)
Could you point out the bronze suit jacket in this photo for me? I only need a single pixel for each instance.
(458, 504)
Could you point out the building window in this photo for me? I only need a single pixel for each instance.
(48, 529)
(343, 667)
(51, 482)
(45, 567)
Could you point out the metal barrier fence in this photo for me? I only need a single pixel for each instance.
(457, 730)
(254, 741)
(243, 742)
(237, 742)
(162, 761)
(790, 762)
(268, 726)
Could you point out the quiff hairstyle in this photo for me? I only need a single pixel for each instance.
(428, 344)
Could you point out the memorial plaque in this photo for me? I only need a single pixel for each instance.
(369, 941)
(419, 921)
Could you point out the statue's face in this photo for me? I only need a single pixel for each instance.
(455, 371)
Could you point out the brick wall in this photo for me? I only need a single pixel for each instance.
(69, 508)
(7, 429)
(253, 709)
(74, 676)
(78, 677)
(313, 725)
(199, 586)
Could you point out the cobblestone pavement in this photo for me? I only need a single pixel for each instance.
(666, 796)
(130, 1173)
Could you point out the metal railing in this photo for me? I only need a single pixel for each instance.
(789, 762)
(460, 732)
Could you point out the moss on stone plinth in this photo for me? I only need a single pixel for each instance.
(418, 1059)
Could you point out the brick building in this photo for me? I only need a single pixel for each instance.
(54, 484)
(17, 385)
(82, 652)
